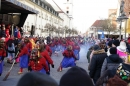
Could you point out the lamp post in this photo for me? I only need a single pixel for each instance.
(121, 19)
(121, 16)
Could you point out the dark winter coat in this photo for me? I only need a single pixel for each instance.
(88, 55)
(111, 62)
(96, 64)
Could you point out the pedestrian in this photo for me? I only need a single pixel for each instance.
(96, 62)
(76, 76)
(68, 60)
(112, 61)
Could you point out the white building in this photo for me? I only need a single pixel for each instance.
(47, 14)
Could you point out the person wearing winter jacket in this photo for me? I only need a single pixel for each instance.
(96, 62)
(112, 61)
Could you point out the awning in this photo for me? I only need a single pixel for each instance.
(14, 6)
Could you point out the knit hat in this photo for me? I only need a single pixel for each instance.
(116, 42)
(113, 50)
(36, 79)
(96, 47)
(110, 43)
(122, 47)
(76, 76)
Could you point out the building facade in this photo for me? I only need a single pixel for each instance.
(46, 15)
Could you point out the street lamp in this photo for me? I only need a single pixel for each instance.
(120, 19)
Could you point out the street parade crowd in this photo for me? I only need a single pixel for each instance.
(109, 59)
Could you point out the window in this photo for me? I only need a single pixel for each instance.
(46, 8)
(67, 12)
(39, 15)
(49, 9)
(36, 1)
(42, 16)
(39, 27)
(40, 3)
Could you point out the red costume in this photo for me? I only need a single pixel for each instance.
(39, 65)
(67, 53)
(48, 50)
(29, 46)
(76, 47)
(19, 35)
(23, 51)
(2, 53)
(7, 31)
(46, 56)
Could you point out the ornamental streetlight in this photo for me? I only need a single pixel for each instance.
(120, 19)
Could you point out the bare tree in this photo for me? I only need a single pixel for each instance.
(108, 25)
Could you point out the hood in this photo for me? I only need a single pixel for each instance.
(99, 51)
(114, 58)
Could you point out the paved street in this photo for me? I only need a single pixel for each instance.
(14, 77)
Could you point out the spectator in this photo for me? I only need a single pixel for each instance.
(76, 76)
(108, 47)
(121, 51)
(16, 31)
(88, 53)
(3, 34)
(10, 50)
(115, 43)
(36, 79)
(109, 73)
(96, 63)
(112, 61)
(116, 81)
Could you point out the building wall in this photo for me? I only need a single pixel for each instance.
(40, 20)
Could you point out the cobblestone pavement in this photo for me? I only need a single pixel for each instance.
(14, 76)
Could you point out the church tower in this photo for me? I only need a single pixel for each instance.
(69, 7)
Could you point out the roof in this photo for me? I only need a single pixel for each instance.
(97, 23)
(9, 6)
(47, 4)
